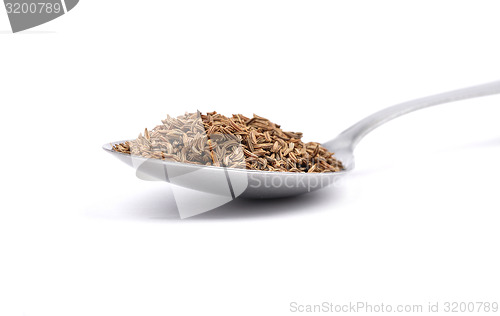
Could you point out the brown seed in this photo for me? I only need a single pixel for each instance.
(276, 147)
(253, 138)
(316, 151)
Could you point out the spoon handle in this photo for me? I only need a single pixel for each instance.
(349, 138)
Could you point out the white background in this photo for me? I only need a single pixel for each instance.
(417, 221)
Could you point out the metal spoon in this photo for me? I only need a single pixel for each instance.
(232, 183)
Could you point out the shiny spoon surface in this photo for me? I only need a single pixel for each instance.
(232, 183)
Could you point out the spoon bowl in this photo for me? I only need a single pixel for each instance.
(244, 183)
